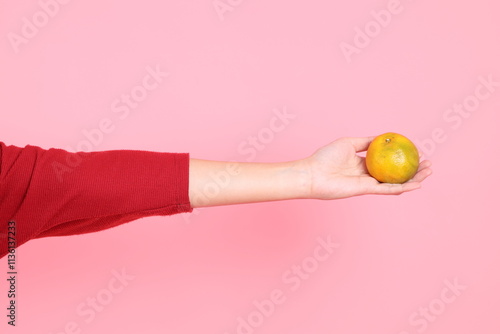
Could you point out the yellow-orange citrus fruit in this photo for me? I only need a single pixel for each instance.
(392, 158)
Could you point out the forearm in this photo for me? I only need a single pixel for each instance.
(213, 183)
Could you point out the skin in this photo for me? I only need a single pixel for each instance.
(334, 171)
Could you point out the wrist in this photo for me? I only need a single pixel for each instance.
(296, 180)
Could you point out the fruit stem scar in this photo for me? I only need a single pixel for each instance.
(387, 140)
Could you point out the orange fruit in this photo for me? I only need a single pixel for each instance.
(392, 158)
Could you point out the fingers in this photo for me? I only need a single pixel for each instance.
(423, 172)
(424, 164)
(393, 188)
(360, 143)
(411, 185)
(420, 154)
(397, 189)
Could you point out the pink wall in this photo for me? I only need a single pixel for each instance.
(423, 262)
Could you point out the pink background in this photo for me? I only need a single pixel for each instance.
(200, 273)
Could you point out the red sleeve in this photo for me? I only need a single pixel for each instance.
(57, 193)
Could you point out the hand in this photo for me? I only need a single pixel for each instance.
(336, 171)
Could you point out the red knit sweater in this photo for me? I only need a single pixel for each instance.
(53, 192)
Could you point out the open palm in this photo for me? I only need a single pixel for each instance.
(337, 171)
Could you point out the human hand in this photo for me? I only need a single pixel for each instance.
(337, 171)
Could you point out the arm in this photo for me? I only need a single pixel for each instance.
(214, 183)
(332, 172)
(58, 193)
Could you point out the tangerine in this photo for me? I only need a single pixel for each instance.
(392, 158)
